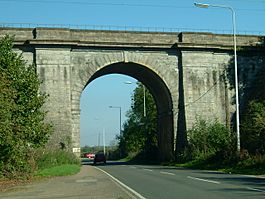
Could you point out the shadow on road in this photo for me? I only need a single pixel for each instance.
(108, 163)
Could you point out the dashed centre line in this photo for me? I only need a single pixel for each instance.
(167, 173)
(254, 189)
(148, 170)
(204, 180)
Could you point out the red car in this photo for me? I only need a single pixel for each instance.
(90, 156)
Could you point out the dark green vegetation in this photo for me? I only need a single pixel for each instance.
(55, 162)
(139, 137)
(209, 140)
(253, 128)
(23, 131)
(211, 145)
(50, 158)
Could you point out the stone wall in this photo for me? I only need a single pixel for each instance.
(53, 66)
(206, 94)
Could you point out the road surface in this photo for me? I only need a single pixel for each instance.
(121, 181)
(161, 182)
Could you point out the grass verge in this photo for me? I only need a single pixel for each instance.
(237, 168)
(61, 170)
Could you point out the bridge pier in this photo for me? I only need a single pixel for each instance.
(165, 136)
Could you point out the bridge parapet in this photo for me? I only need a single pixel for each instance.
(220, 39)
(128, 38)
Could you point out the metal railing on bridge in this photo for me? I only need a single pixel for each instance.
(124, 28)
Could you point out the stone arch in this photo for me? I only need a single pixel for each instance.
(146, 68)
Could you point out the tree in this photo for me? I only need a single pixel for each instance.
(253, 116)
(140, 132)
(22, 126)
(253, 127)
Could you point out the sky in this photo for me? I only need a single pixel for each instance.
(163, 15)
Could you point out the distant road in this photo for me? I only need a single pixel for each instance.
(162, 182)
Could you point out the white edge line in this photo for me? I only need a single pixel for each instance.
(211, 181)
(122, 184)
(167, 173)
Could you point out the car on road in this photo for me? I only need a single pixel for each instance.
(100, 157)
(90, 156)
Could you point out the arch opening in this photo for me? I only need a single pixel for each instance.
(161, 95)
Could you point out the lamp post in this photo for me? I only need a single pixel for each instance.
(104, 141)
(120, 122)
(103, 136)
(201, 5)
(120, 114)
(144, 98)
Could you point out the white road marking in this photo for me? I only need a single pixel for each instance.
(200, 179)
(132, 167)
(254, 189)
(167, 173)
(123, 185)
(148, 169)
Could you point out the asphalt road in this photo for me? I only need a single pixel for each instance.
(161, 182)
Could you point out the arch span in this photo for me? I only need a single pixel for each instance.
(147, 67)
(161, 95)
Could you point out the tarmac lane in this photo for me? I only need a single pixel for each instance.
(89, 183)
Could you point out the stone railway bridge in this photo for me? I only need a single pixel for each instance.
(189, 74)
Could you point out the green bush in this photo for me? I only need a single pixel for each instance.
(252, 165)
(22, 126)
(253, 128)
(49, 158)
(209, 140)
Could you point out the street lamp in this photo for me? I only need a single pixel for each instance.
(201, 5)
(120, 114)
(128, 82)
(104, 140)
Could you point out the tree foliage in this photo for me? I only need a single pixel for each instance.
(140, 132)
(22, 125)
(253, 128)
(253, 116)
(209, 138)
